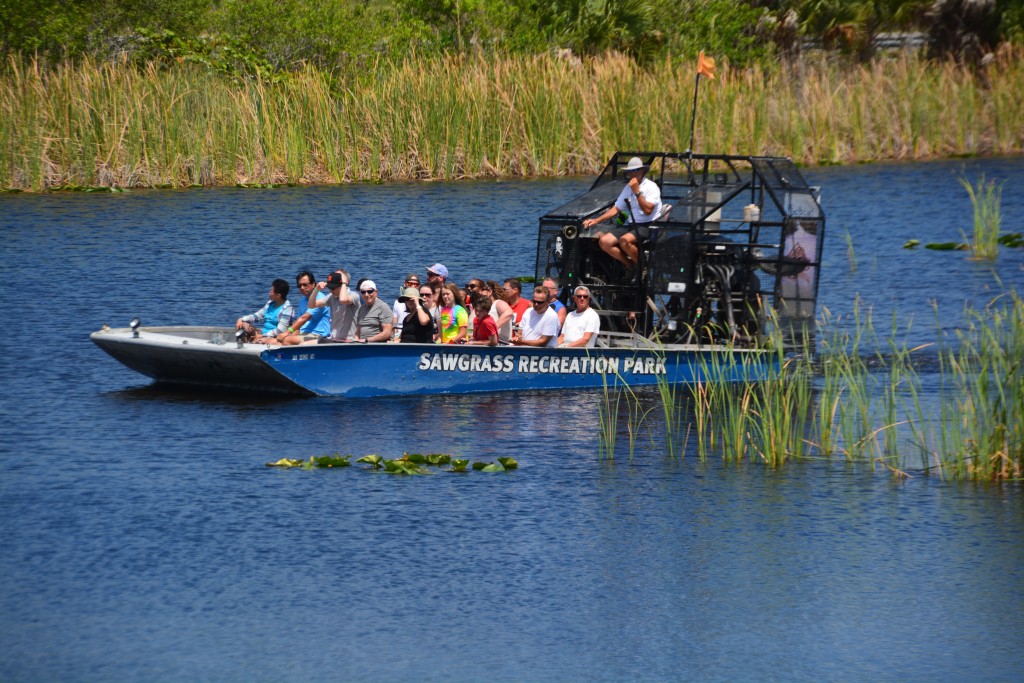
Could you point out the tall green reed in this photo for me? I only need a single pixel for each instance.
(983, 425)
(119, 123)
(986, 200)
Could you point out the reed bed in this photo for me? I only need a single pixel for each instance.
(860, 398)
(121, 124)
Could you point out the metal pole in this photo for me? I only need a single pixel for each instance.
(693, 118)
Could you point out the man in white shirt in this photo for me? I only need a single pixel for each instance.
(640, 200)
(583, 324)
(539, 326)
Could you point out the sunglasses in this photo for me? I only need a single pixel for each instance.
(471, 286)
(539, 303)
(426, 294)
(582, 296)
(367, 291)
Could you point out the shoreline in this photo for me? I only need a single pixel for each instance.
(482, 178)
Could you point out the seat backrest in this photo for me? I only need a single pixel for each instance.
(666, 209)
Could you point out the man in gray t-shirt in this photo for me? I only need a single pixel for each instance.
(342, 302)
(374, 318)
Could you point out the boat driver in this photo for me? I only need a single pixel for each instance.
(640, 201)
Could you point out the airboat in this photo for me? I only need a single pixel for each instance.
(733, 256)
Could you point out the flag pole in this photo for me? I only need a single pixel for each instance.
(693, 117)
(706, 68)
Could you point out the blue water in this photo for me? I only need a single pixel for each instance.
(144, 540)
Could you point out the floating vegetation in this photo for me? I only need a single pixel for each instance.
(500, 466)
(408, 463)
(947, 246)
(324, 461)
(1014, 240)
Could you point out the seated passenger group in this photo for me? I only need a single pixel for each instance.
(486, 313)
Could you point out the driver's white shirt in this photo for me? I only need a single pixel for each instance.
(628, 203)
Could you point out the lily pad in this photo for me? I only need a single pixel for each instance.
(332, 461)
(1013, 239)
(946, 246)
(286, 462)
(509, 463)
(459, 465)
(374, 460)
(400, 466)
(910, 244)
(491, 467)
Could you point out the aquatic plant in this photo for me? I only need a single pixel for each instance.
(404, 466)
(983, 409)
(986, 200)
(325, 461)
(860, 397)
(608, 417)
(407, 464)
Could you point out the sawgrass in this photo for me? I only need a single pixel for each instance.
(121, 124)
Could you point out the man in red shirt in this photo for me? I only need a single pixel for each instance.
(513, 296)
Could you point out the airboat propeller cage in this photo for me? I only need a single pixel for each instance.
(742, 239)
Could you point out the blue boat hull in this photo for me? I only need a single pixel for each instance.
(365, 370)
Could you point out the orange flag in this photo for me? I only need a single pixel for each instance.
(706, 66)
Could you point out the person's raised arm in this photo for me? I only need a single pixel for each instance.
(645, 204)
(345, 295)
(312, 302)
(422, 314)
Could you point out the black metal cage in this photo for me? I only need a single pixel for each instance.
(738, 239)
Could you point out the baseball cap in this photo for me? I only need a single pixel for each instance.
(410, 293)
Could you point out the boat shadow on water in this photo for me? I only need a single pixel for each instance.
(182, 394)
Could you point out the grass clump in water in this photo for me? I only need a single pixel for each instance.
(986, 199)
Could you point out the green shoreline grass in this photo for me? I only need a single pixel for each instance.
(117, 124)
